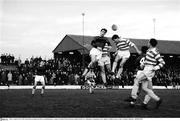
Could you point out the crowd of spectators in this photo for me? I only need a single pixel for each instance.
(7, 58)
(57, 72)
(63, 71)
(169, 76)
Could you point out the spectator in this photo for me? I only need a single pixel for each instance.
(9, 76)
(26, 61)
(3, 77)
(76, 78)
(25, 80)
(71, 79)
(53, 77)
(20, 79)
(30, 78)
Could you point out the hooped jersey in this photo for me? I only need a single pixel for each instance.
(106, 49)
(124, 44)
(154, 58)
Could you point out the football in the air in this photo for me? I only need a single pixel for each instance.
(114, 27)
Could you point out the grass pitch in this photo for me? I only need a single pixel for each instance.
(81, 104)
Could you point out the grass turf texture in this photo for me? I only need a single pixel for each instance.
(81, 104)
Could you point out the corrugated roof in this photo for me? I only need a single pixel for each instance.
(75, 42)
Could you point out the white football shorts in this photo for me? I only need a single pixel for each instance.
(105, 60)
(95, 52)
(123, 54)
(149, 72)
(39, 78)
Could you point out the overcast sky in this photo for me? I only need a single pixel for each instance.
(35, 27)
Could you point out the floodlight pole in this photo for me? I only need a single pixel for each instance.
(83, 61)
(154, 21)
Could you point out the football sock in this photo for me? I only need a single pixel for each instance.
(119, 72)
(135, 89)
(42, 91)
(146, 99)
(152, 95)
(33, 91)
(114, 66)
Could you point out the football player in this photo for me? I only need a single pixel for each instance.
(39, 77)
(90, 79)
(122, 53)
(153, 62)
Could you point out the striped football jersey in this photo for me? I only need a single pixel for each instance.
(124, 44)
(106, 49)
(154, 58)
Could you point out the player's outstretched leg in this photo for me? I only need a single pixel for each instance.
(121, 65)
(135, 88)
(147, 97)
(145, 102)
(103, 76)
(158, 103)
(151, 94)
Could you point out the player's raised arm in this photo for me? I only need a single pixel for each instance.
(131, 44)
(137, 50)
